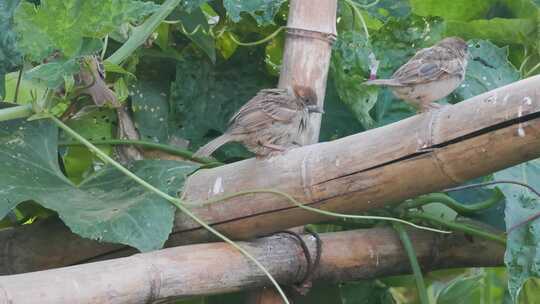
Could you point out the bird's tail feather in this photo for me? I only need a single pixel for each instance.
(209, 148)
(383, 82)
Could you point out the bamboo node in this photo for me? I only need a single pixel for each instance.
(328, 37)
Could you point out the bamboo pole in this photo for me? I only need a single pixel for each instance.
(199, 269)
(308, 48)
(306, 61)
(418, 155)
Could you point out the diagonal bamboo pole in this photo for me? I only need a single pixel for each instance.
(418, 155)
(193, 270)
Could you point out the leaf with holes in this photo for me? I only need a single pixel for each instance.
(349, 67)
(523, 244)
(262, 10)
(10, 56)
(488, 69)
(108, 206)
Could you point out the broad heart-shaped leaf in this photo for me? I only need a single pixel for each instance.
(452, 10)
(349, 67)
(107, 206)
(62, 24)
(522, 255)
(262, 10)
(488, 69)
(10, 57)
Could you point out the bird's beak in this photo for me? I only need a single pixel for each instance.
(315, 109)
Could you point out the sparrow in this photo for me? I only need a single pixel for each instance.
(431, 74)
(269, 123)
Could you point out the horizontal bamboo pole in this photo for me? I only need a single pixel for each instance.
(418, 155)
(199, 269)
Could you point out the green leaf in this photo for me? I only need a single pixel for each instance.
(107, 206)
(462, 290)
(204, 96)
(190, 5)
(387, 9)
(73, 20)
(338, 120)
(499, 30)
(28, 89)
(263, 11)
(488, 69)
(149, 98)
(94, 123)
(452, 10)
(10, 56)
(368, 292)
(197, 30)
(522, 255)
(349, 67)
(52, 74)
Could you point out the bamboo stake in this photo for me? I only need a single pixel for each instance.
(308, 47)
(200, 269)
(418, 155)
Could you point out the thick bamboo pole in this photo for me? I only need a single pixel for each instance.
(417, 155)
(308, 47)
(199, 269)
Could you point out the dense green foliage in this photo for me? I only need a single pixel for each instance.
(182, 78)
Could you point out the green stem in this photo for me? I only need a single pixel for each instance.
(452, 203)
(457, 227)
(356, 11)
(142, 32)
(175, 201)
(418, 277)
(15, 112)
(265, 39)
(319, 211)
(146, 144)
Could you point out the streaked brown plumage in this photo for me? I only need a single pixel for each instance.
(433, 73)
(272, 121)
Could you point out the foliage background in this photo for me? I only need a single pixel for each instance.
(191, 75)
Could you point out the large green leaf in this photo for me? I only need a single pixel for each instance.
(452, 10)
(10, 57)
(349, 67)
(204, 96)
(107, 206)
(262, 10)
(40, 33)
(515, 30)
(522, 256)
(462, 290)
(150, 98)
(488, 69)
(52, 74)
